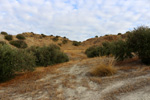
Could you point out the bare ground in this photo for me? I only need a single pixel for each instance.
(71, 81)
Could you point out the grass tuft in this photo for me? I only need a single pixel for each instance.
(105, 68)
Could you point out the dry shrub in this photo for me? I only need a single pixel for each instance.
(105, 68)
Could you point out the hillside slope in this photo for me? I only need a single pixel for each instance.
(72, 81)
(33, 39)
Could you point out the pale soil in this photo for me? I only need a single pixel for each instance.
(72, 81)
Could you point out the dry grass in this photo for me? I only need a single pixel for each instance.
(105, 68)
(75, 54)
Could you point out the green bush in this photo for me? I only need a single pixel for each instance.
(48, 55)
(120, 50)
(26, 60)
(19, 43)
(18, 60)
(4, 33)
(7, 62)
(57, 36)
(43, 35)
(96, 36)
(20, 36)
(2, 42)
(59, 44)
(8, 37)
(55, 39)
(65, 41)
(106, 46)
(119, 34)
(12, 60)
(139, 42)
(93, 51)
(76, 43)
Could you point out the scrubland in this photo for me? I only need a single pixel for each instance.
(109, 70)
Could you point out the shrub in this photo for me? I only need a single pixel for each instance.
(104, 69)
(26, 60)
(43, 35)
(7, 62)
(107, 47)
(139, 42)
(93, 51)
(48, 55)
(2, 42)
(64, 41)
(57, 36)
(55, 39)
(8, 37)
(96, 36)
(19, 43)
(76, 43)
(119, 34)
(20, 36)
(120, 50)
(59, 44)
(12, 60)
(4, 33)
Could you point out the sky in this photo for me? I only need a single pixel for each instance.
(75, 19)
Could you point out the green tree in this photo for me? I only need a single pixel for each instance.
(139, 43)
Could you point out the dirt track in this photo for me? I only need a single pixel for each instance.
(71, 81)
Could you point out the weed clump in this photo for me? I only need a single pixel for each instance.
(104, 69)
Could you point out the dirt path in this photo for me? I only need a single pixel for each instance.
(72, 82)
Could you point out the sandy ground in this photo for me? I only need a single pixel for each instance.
(72, 82)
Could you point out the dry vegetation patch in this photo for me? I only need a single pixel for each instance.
(105, 68)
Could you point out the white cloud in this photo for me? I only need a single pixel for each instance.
(75, 19)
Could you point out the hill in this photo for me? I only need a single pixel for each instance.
(74, 80)
(66, 45)
(33, 39)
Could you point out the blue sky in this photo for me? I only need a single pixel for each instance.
(75, 19)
